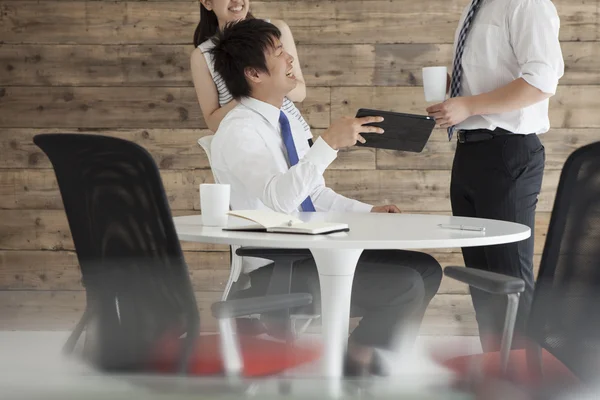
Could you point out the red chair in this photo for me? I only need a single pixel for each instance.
(562, 342)
(237, 355)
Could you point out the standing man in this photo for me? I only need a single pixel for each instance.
(507, 63)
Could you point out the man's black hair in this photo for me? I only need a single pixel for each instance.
(239, 46)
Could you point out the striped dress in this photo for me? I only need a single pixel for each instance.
(225, 97)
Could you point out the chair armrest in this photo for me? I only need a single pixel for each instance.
(264, 252)
(487, 281)
(259, 305)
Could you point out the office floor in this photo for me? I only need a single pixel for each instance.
(37, 353)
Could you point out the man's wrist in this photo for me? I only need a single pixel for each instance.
(471, 103)
(329, 140)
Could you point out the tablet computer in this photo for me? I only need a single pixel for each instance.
(405, 132)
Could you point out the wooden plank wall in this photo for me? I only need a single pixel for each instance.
(121, 68)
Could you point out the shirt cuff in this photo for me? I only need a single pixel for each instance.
(360, 207)
(541, 77)
(321, 155)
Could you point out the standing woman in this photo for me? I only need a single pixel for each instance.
(213, 95)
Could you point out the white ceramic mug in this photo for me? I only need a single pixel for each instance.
(214, 203)
(434, 83)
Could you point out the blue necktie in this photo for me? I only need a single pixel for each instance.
(460, 48)
(288, 140)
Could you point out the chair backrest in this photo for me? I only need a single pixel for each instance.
(205, 142)
(132, 265)
(565, 316)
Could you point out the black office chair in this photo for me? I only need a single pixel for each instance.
(137, 285)
(564, 324)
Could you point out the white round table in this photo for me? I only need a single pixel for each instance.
(337, 254)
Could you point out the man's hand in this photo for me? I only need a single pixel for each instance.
(388, 208)
(451, 112)
(345, 132)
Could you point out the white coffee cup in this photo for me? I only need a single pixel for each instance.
(214, 203)
(434, 83)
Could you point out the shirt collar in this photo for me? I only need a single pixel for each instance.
(268, 111)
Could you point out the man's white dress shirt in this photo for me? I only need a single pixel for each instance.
(248, 153)
(512, 39)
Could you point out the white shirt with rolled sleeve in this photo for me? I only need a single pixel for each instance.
(512, 39)
(249, 154)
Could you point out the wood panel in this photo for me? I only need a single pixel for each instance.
(571, 107)
(121, 68)
(50, 310)
(59, 270)
(171, 148)
(413, 190)
(209, 271)
(333, 22)
(174, 149)
(122, 107)
(61, 310)
(48, 230)
(96, 65)
(177, 149)
(38, 189)
(439, 153)
(322, 65)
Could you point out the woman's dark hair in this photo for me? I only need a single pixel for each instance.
(239, 46)
(208, 25)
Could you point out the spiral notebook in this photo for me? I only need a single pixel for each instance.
(274, 222)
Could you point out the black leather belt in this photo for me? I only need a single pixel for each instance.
(479, 135)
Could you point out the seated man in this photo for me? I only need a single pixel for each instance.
(264, 154)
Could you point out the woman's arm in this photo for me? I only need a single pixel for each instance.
(287, 39)
(206, 91)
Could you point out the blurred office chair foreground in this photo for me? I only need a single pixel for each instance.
(140, 300)
(562, 344)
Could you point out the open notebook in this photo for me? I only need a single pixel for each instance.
(270, 221)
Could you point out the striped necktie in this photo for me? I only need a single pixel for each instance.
(460, 48)
(288, 140)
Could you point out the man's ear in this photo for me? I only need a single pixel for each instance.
(253, 75)
(207, 4)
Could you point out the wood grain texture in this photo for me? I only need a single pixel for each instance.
(413, 190)
(173, 149)
(322, 65)
(59, 270)
(439, 153)
(60, 310)
(49, 230)
(571, 107)
(209, 271)
(122, 107)
(325, 22)
(121, 68)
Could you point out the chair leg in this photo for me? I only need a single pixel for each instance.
(281, 283)
(230, 349)
(234, 274)
(509, 328)
(188, 342)
(71, 342)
